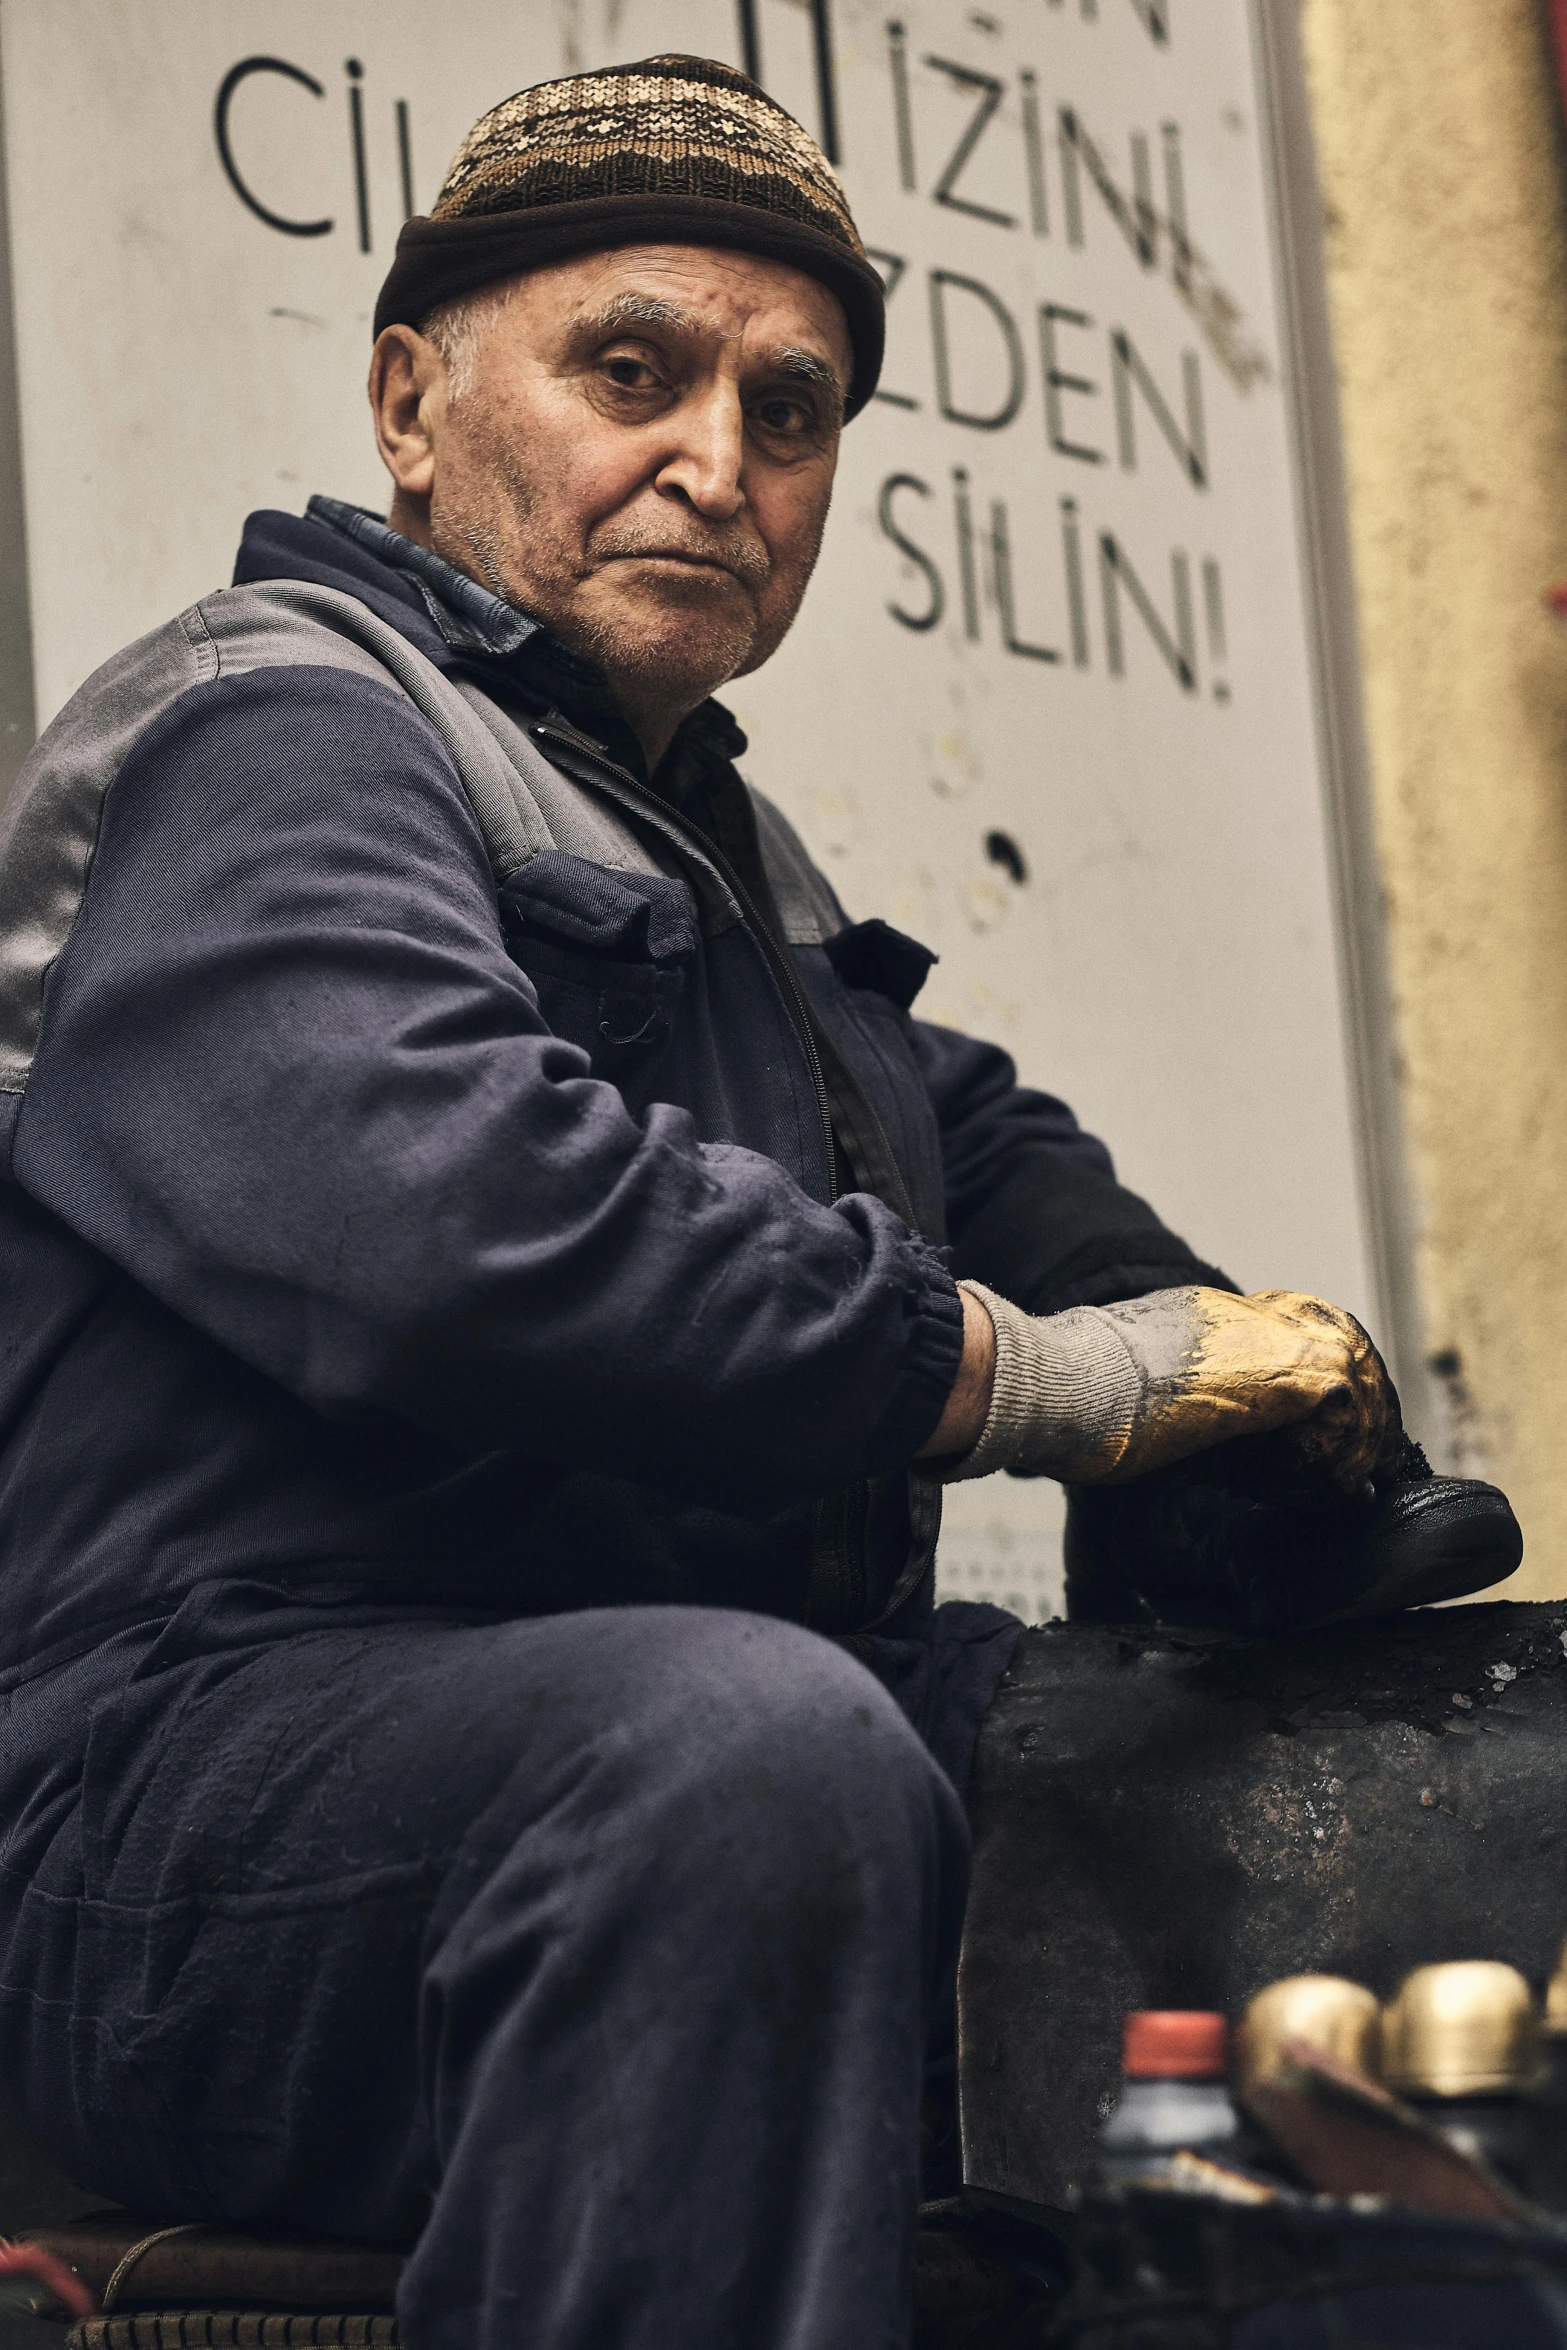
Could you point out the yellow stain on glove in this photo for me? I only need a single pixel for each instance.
(1212, 1366)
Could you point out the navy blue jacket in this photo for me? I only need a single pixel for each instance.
(395, 1228)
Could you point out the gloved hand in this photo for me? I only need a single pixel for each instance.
(1102, 1394)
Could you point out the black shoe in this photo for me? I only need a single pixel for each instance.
(1228, 1540)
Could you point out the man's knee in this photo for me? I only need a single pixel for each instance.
(755, 1719)
(817, 1807)
(729, 1763)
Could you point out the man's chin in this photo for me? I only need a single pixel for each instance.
(670, 650)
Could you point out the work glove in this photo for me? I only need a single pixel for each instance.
(1103, 1394)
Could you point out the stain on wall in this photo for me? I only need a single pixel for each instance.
(1441, 157)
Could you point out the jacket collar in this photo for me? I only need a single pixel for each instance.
(467, 615)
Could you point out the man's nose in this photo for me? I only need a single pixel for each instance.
(704, 465)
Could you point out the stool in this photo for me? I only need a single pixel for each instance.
(162, 2287)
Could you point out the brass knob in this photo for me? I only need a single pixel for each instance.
(1463, 2030)
(1556, 1997)
(1340, 2018)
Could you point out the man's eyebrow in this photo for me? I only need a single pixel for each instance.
(635, 310)
(809, 367)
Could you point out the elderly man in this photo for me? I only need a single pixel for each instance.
(479, 1319)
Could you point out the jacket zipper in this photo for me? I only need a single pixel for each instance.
(777, 961)
(840, 1528)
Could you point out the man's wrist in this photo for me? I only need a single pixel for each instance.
(967, 1409)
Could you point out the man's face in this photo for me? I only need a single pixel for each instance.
(643, 458)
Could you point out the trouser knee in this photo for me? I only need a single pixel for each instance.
(787, 1756)
(742, 1779)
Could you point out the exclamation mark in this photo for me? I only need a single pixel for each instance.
(965, 522)
(1185, 634)
(356, 118)
(1213, 609)
(1076, 602)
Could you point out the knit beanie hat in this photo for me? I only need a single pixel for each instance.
(674, 149)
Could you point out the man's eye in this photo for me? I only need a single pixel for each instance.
(782, 416)
(633, 375)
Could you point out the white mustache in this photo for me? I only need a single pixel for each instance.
(742, 556)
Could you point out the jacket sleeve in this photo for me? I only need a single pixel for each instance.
(290, 1081)
(1033, 1207)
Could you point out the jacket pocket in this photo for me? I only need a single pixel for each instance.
(607, 952)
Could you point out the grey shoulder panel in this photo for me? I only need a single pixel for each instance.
(50, 824)
(281, 622)
(522, 804)
(806, 902)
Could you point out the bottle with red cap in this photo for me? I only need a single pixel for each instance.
(1174, 2098)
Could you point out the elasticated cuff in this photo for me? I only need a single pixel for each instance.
(932, 1357)
(1065, 1386)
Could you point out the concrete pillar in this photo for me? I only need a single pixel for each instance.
(1441, 156)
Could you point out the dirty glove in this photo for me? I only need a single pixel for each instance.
(1101, 1394)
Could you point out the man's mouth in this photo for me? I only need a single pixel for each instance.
(681, 555)
(746, 566)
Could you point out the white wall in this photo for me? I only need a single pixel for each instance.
(1168, 961)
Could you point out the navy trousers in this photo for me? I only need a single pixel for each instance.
(594, 1952)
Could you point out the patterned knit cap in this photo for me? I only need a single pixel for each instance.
(674, 150)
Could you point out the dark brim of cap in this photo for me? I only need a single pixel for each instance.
(438, 260)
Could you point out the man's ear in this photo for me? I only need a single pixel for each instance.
(408, 401)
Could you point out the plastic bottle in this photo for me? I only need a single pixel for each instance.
(1174, 2097)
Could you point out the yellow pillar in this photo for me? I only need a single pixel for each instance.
(1441, 157)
